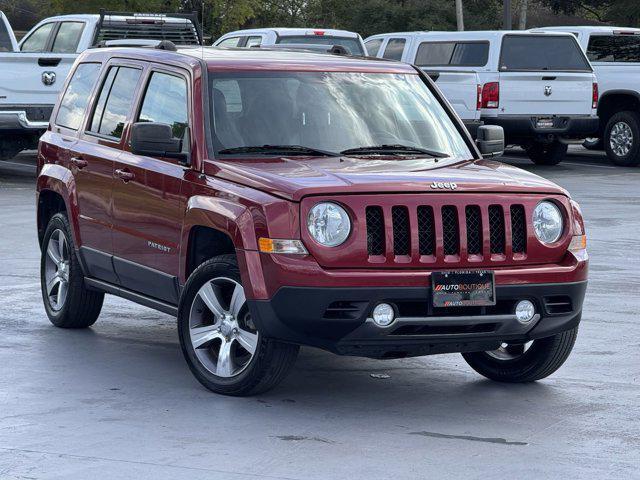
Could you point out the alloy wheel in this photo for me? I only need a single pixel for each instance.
(621, 139)
(509, 351)
(220, 328)
(57, 266)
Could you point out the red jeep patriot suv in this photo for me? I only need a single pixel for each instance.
(273, 198)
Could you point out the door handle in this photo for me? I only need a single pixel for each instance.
(124, 174)
(79, 162)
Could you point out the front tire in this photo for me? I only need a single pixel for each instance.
(622, 139)
(547, 153)
(518, 364)
(67, 301)
(221, 344)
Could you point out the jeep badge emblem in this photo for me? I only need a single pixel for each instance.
(547, 90)
(444, 185)
(48, 78)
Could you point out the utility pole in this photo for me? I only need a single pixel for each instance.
(506, 15)
(459, 16)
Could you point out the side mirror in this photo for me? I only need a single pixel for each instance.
(490, 140)
(157, 140)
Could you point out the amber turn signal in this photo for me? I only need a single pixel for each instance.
(578, 242)
(274, 245)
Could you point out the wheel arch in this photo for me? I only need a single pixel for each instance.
(55, 193)
(614, 101)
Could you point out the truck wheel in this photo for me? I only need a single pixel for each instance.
(547, 153)
(519, 363)
(68, 303)
(220, 342)
(622, 139)
(593, 144)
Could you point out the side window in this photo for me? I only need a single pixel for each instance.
(469, 54)
(373, 46)
(254, 41)
(75, 99)
(166, 101)
(115, 101)
(229, 42)
(394, 49)
(37, 41)
(68, 37)
(614, 48)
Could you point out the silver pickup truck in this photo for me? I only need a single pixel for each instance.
(33, 71)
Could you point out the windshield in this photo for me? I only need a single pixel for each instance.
(332, 112)
(351, 44)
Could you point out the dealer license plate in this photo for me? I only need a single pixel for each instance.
(463, 288)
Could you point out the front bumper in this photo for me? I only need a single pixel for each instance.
(338, 319)
(519, 128)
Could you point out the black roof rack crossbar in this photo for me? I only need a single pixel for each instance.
(306, 47)
(139, 43)
(192, 17)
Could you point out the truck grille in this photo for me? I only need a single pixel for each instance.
(439, 231)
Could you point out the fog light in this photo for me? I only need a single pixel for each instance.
(525, 311)
(383, 314)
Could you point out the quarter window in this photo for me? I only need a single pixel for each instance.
(115, 101)
(373, 46)
(394, 48)
(468, 54)
(614, 48)
(254, 41)
(75, 99)
(68, 37)
(166, 101)
(37, 41)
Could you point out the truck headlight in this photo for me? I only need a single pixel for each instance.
(547, 222)
(328, 224)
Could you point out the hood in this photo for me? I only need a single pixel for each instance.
(296, 177)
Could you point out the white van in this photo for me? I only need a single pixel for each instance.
(614, 53)
(539, 87)
(351, 41)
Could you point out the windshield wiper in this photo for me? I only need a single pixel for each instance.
(272, 149)
(395, 148)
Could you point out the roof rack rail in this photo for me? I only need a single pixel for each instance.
(307, 47)
(140, 43)
(145, 17)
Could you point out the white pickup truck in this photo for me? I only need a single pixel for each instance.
(614, 53)
(539, 87)
(33, 71)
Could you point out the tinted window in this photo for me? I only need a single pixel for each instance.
(373, 46)
(351, 44)
(68, 37)
(165, 101)
(394, 49)
(614, 48)
(251, 41)
(115, 101)
(37, 41)
(75, 99)
(528, 52)
(5, 38)
(469, 54)
(229, 42)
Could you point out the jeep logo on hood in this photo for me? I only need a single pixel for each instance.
(444, 185)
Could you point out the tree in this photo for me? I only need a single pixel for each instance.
(459, 15)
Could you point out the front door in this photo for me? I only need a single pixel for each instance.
(148, 203)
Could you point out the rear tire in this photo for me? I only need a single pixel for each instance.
(622, 139)
(67, 301)
(223, 348)
(540, 360)
(547, 153)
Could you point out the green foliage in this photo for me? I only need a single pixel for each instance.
(624, 13)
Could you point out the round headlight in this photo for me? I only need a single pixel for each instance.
(329, 224)
(547, 222)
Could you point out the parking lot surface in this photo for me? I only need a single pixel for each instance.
(117, 400)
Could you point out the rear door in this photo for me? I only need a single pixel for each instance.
(544, 75)
(148, 202)
(8, 41)
(452, 64)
